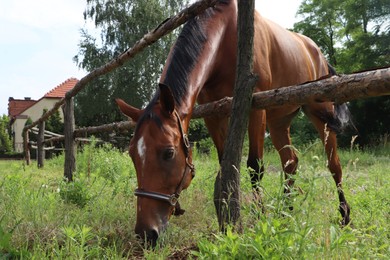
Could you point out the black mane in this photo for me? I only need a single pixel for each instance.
(185, 54)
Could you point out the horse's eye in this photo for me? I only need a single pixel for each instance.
(168, 154)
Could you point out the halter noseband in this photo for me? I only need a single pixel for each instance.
(173, 198)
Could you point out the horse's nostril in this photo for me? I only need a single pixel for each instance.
(152, 236)
(149, 237)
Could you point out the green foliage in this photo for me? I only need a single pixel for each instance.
(36, 223)
(302, 234)
(103, 160)
(197, 130)
(302, 130)
(121, 24)
(198, 134)
(54, 123)
(76, 242)
(354, 35)
(321, 19)
(205, 145)
(372, 120)
(5, 139)
(6, 249)
(5, 241)
(28, 122)
(75, 192)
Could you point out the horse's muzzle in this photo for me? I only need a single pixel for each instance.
(149, 235)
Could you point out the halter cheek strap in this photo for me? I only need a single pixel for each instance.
(173, 198)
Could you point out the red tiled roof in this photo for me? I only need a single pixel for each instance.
(60, 90)
(17, 106)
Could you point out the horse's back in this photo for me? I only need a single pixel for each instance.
(283, 58)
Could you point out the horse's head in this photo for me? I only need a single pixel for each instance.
(162, 158)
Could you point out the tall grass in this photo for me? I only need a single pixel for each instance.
(43, 217)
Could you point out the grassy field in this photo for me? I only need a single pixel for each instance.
(93, 218)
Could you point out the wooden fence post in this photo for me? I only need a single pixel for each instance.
(41, 144)
(70, 145)
(227, 183)
(26, 147)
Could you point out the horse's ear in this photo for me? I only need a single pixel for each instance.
(132, 112)
(167, 100)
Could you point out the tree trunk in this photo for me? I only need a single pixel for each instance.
(227, 184)
(41, 144)
(70, 144)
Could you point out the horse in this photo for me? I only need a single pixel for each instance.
(201, 67)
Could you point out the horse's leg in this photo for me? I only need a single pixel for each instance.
(256, 131)
(217, 127)
(329, 139)
(280, 135)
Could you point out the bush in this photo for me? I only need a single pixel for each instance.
(76, 192)
(11, 155)
(5, 139)
(197, 130)
(103, 160)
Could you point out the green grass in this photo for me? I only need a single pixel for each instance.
(43, 217)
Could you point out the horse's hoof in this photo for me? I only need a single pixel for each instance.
(345, 212)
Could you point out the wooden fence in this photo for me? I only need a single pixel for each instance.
(337, 88)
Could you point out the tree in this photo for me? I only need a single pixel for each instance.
(54, 123)
(354, 35)
(5, 139)
(121, 23)
(321, 22)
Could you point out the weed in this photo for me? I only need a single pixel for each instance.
(43, 217)
(75, 192)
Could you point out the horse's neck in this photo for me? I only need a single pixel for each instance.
(203, 70)
(215, 30)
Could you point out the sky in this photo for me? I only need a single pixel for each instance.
(38, 40)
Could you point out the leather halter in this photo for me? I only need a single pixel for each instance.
(172, 199)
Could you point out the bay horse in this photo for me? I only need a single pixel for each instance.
(201, 68)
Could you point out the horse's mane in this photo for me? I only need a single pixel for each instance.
(185, 54)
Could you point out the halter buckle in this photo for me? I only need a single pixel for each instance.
(186, 141)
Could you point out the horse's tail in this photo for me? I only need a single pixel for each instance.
(341, 118)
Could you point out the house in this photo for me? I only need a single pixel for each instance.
(19, 110)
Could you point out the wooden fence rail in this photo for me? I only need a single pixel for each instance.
(339, 89)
